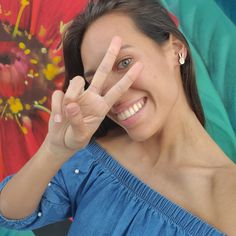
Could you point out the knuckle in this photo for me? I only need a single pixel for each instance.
(69, 98)
(104, 68)
(112, 54)
(94, 87)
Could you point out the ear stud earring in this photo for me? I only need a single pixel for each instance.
(181, 59)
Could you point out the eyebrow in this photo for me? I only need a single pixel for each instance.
(91, 73)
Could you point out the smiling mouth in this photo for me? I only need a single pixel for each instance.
(131, 111)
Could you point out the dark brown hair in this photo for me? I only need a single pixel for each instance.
(152, 19)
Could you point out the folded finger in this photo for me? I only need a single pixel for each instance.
(74, 90)
(57, 99)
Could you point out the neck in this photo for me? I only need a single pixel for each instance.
(183, 141)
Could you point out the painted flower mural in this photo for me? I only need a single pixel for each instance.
(31, 67)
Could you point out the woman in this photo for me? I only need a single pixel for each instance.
(149, 167)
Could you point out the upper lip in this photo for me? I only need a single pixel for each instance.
(122, 106)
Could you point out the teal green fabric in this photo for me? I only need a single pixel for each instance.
(211, 35)
(228, 7)
(7, 232)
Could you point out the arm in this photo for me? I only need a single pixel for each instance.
(21, 196)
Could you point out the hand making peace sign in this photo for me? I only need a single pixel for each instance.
(77, 114)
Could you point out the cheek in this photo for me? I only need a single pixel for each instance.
(173, 94)
(162, 88)
(168, 98)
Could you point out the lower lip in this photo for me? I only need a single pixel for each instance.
(131, 121)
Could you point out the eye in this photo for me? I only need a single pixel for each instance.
(124, 63)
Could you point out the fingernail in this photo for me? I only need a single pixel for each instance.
(57, 118)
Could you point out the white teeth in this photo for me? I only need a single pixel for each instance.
(127, 113)
(122, 116)
(139, 105)
(136, 108)
(130, 111)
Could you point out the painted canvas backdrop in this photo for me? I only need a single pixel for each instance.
(31, 67)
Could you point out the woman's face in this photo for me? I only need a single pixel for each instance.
(144, 109)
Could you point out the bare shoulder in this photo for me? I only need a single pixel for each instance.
(225, 170)
(226, 176)
(224, 198)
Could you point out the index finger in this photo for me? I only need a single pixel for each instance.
(106, 65)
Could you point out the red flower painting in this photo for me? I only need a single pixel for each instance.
(31, 67)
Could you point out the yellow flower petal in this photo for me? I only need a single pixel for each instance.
(51, 71)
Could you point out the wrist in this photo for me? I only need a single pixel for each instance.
(54, 153)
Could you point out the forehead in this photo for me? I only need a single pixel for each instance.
(99, 34)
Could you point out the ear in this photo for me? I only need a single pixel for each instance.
(178, 48)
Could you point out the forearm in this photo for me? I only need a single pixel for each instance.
(22, 194)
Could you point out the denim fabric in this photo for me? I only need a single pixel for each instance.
(104, 198)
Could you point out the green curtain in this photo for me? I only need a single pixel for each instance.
(7, 232)
(211, 35)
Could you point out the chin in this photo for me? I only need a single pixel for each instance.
(145, 131)
(141, 132)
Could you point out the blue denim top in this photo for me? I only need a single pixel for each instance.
(104, 198)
